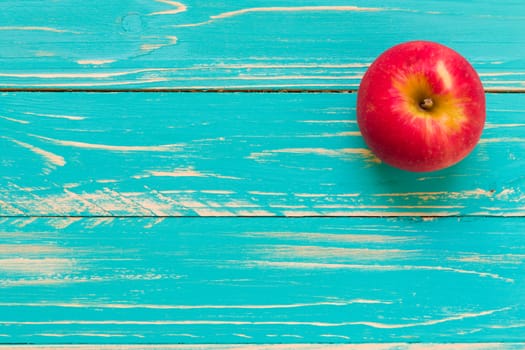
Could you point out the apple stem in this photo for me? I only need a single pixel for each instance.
(427, 104)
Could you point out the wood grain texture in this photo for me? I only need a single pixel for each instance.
(372, 346)
(270, 44)
(270, 280)
(205, 154)
(99, 192)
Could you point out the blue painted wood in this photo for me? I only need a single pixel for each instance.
(244, 44)
(139, 154)
(234, 280)
(376, 346)
(84, 276)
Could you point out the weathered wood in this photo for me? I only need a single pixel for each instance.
(268, 280)
(413, 281)
(244, 44)
(376, 346)
(187, 154)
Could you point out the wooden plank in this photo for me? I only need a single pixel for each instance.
(188, 154)
(267, 280)
(245, 45)
(376, 346)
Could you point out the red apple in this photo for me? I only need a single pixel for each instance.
(421, 106)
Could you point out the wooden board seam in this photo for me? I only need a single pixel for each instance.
(230, 90)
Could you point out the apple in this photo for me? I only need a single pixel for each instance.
(421, 106)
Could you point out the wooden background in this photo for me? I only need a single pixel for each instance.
(192, 173)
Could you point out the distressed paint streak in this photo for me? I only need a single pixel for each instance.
(83, 75)
(42, 266)
(49, 157)
(241, 77)
(507, 125)
(143, 205)
(69, 199)
(318, 252)
(185, 172)
(98, 335)
(286, 206)
(182, 335)
(286, 77)
(56, 116)
(510, 326)
(345, 206)
(370, 213)
(179, 8)
(513, 259)
(374, 267)
(502, 214)
(100, 221)
(505, 193)
(254, 213)
(177, 173)
(19, 121)
(240, 204)
(212, 212)
(377, 325)
(92, 84)
(335, 336)
(24, 222)
(311, 195)
(500, 74)
(287, 65)
(233, 86)
(114, 148)
(261, 193)
(95, 62)
(300, 213)
(225, 177)
(177, 191)
(291, 346)
(240, 335)
(445, 194)
(8, 209)
(502, 140)
(338, 238)
(195, 307)
(172, 40)
(157, 208)
(217, 192)
(36, 28)
(337, 153)
(61, 223)
(282, 9)
(40, 282)
(154, 223)
(437, 321)
(291, 336)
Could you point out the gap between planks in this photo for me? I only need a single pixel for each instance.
(228, 90)
(290, 346)
(320, 216)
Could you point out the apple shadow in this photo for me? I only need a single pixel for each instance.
(388, 179)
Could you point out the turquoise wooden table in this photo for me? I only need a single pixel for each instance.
(192, 173)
